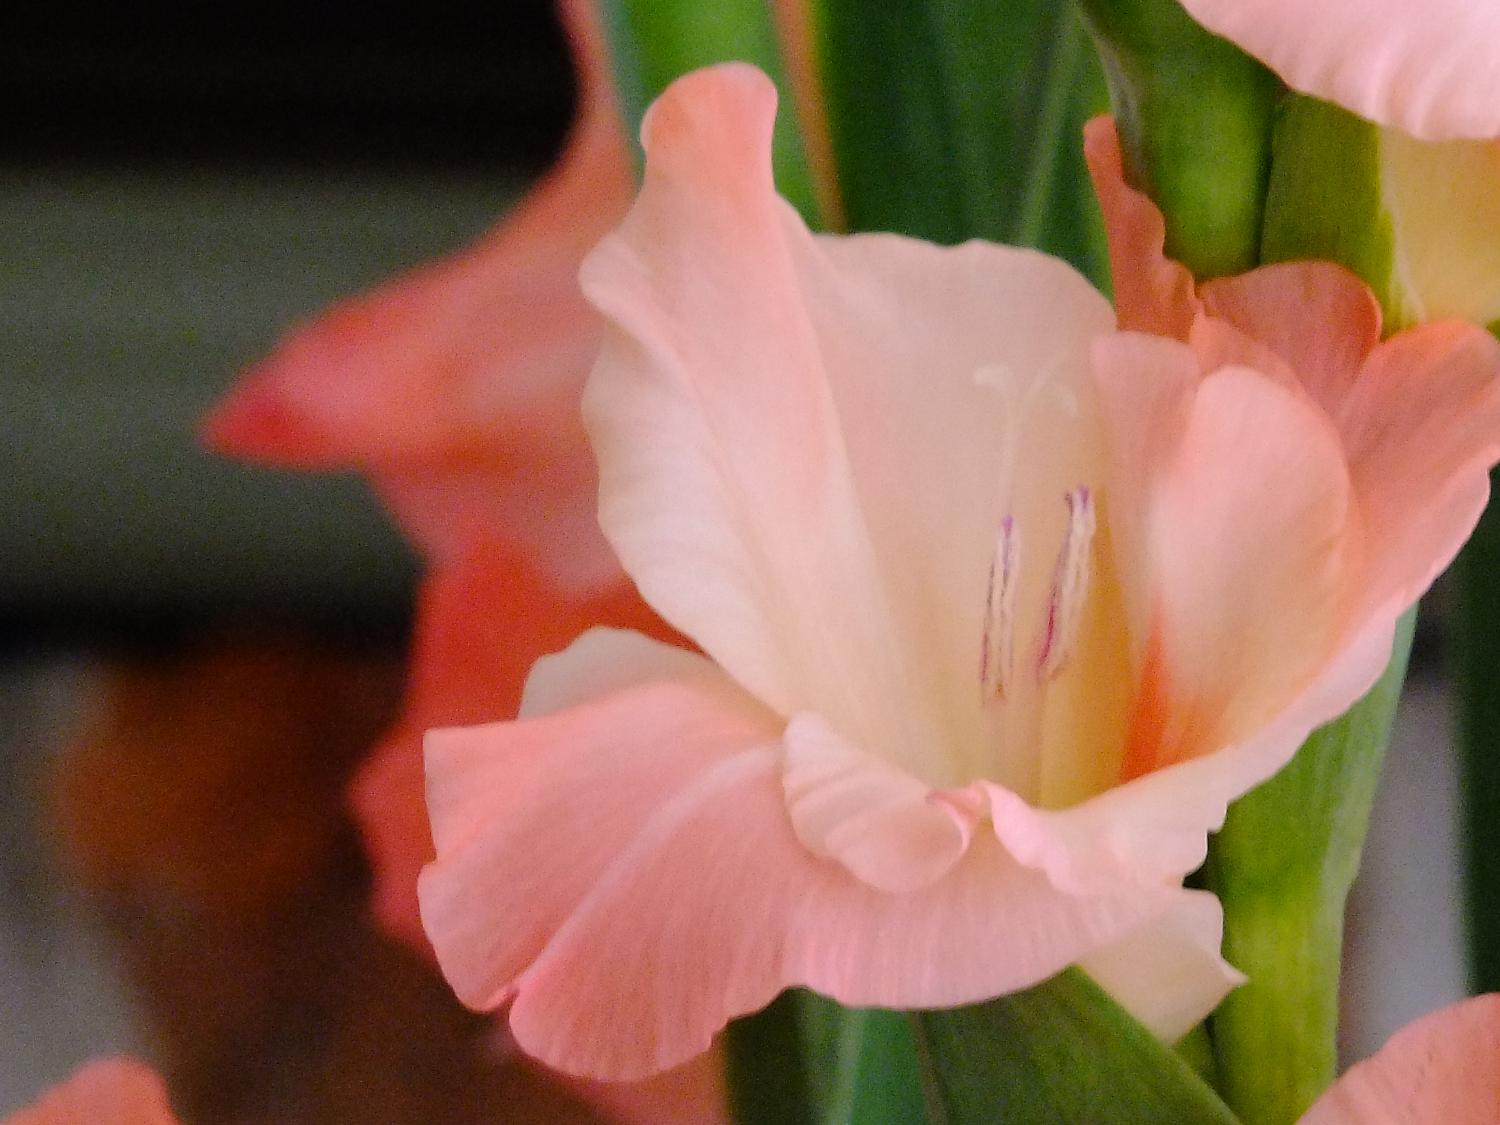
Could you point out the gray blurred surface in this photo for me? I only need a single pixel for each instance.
(127, 303)
(61, 1000)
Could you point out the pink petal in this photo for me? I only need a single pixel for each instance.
(457, 387)
(1251, 550)
(1444, 1069)
(880, 822)
(1318, 318)
(1422, 429)
(116, 1091)
(629, 864)
(1431, 69)
(1153, 293)
(725, 486)
(481, 624)
(1168, 973)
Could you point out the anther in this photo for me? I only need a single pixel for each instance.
(1070, 587)
(997, 650)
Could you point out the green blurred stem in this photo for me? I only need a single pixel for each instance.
(1283, 866)
(1194, 115)
(653, 42)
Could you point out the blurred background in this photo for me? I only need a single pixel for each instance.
(195, 654)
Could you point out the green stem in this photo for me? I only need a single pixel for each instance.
(1282, 867)
(653, 42)
(1194, 115)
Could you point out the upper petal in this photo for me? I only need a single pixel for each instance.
(1316, 317)
(1153, 293)
(1444, 1069)
(120, 1091)
(1421, 427)
(1432, 69)
(725, 483)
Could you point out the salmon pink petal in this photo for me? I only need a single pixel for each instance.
(1251, 547)
(1168, 973)
(1444, 1069)
(456, 387)
(117, 1091)
(528, 789)
(725, 484)
(1317, 318)
(1422, 428)
(630, 863)
(1153, 293)
(880, 822)
(482, 621)
(1431, 70)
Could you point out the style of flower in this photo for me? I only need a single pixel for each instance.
(456, 388)
(1431, 70)
(1000, 609)
(120, 1091)
(1444, 1069)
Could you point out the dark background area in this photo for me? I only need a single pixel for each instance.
(178, 186)
(450, 84)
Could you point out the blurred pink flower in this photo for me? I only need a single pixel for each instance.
(1444, 1069)
(117, 1091)
(1431, 69)
(456, 387)
(1001, 608)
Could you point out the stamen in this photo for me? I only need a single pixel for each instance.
(1070, 587)
(997, 650)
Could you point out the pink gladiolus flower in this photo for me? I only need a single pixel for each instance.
(1429, 69)
(1444, 1069)
(116, 1091)
(456, 387)
(1000, 609)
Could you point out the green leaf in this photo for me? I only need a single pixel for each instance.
(769, 1079)
(1060, 1052)
(807, 1061)
(1282, 867)
(1325, 196)
(863, 1063)
(1194, 114)
(653, 42)
(957, 119)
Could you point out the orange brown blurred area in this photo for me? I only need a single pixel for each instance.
(201, 811)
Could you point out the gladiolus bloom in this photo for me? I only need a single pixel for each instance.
(1429, 69)
(1000, 609)
(1444, 1069)
(456, 387)
(116, 1091)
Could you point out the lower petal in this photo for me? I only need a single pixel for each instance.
(715, 907)
(1169, 974)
